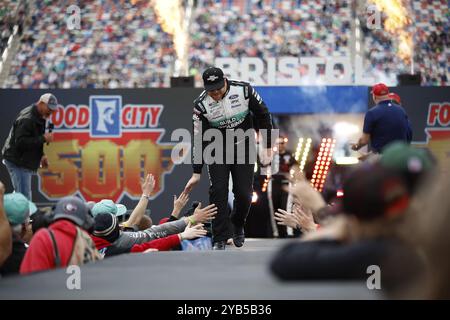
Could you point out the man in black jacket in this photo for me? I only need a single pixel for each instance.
(23, 151)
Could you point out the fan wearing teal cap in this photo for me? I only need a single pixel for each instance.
(108, 206)
(18, 210)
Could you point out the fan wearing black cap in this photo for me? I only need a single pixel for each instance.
(65, 242)
(228, 105)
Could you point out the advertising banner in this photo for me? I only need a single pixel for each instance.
(107, 140)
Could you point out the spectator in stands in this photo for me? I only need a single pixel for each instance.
(18, 210)
(5, 230)
(102, 55)
(65, 242)
(375, 200)
(107, 232)
(429, 39)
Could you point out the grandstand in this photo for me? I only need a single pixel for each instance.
(430, 28)
(121, 44)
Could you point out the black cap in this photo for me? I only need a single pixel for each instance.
(75, 210)
(106, 227)
(213, 79)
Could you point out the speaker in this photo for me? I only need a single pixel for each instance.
(407, 79)
(185, 82)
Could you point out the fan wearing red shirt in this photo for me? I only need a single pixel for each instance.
(65, 242)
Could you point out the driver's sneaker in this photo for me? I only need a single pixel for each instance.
(238, 236)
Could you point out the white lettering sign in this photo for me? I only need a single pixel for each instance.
(285, 71)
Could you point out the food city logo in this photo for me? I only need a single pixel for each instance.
(102, 150)
(438, 132)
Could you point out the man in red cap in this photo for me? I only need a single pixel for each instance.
(384, 123)
(395, 98)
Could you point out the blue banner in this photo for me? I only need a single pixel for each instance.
(315, 99)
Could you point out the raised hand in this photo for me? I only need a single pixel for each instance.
(179, 203)
(192, 232)
(148, 185)
(285, 218)
(304, 194)
(201, 215)
(305, 218)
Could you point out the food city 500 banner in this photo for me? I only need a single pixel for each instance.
(106, 140)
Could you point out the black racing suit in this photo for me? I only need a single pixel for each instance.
(240, 108)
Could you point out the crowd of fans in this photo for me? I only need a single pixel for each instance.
(12, 13)
(301, 29)
(75, 232)
(386, 218)
(393, 214)
(430, 30)
(121, 45)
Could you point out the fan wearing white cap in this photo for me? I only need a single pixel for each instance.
(23, 150)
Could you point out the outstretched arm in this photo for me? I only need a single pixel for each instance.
(178, 204)
(199, 125)
(147, 188)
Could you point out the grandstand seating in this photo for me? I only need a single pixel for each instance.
(430, 26)
(120, 43)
